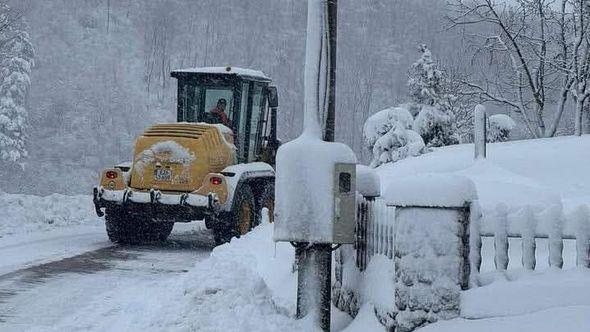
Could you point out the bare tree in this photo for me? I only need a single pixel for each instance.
(529, 42)
(577, 65)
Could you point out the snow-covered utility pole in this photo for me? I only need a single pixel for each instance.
(332, 17)
(480, 132)
(315, 177)
(314, 261)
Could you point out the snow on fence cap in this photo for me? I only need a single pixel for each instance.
(367, 181)
(431, 190)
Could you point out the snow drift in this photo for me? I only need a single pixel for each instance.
(29, 213)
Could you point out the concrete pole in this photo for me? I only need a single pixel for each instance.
(332, 15)
(480, 132)
(314, 260)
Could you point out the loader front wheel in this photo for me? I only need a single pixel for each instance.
(239, 220)
(244, 210)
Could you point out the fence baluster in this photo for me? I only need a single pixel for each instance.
(555, 220)
(581, 218)
(390, 222)
(528, 239)
(475, 219)
(501, 238)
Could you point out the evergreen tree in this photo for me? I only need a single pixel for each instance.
(16, 61)
(426, 80)
(430, 101)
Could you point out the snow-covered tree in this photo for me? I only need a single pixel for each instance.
(499, 128)
(16, 61)
(430, 102)
(389, 137)
(426, 80)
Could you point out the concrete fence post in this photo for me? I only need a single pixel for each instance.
(480, 132)
(431, 247)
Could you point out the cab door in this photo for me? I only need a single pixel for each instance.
(256, 121)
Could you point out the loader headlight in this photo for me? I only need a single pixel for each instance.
(111, 185)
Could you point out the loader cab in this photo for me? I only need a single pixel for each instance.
(250, 106)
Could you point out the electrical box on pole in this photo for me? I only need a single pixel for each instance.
(315, 192)
(344, 203)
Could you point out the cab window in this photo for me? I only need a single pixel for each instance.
(256, 122)
(197, 102)
(218, 101)
(243, 118)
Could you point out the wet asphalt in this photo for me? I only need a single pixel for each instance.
(19, 289)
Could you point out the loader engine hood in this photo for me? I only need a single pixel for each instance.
(177, 157)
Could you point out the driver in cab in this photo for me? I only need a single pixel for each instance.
(218, 113)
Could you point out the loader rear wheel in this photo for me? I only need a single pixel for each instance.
(163, 229)
(119, 225)
(126, 228)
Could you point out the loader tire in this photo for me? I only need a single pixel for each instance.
(239, 220)
(127, 228)
(265, 199)
(162, 229)
(243, 213)
(120, 227)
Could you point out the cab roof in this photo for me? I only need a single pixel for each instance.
(237, 71)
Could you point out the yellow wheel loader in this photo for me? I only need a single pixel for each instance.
(215, 163)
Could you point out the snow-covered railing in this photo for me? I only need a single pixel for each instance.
(528, 225)
(375, 226)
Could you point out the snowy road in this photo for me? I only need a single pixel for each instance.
(96, 287)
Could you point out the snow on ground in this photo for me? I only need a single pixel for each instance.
(246, 285)
(513, 171)
(35, 229)
(571, 319)
(535, 173)
(23, 214)
(28, 249)
(528, 293)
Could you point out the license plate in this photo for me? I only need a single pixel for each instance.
(163, 174)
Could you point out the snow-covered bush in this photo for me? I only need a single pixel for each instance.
(499, 128)
(388, 135)
(397, 144)
(432, 102)
(435, 126)
(383, 121)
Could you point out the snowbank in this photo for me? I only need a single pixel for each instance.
(246, 285)
(29, 213)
